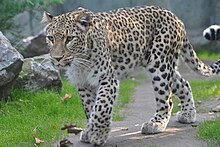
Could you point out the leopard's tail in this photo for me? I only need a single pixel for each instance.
(190, 57)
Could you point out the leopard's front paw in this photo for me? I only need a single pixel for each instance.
(84, 137)
(152, 128)
(100, 136)
(97, 137)
(98, 141)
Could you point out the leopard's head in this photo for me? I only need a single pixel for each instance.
(66, 36)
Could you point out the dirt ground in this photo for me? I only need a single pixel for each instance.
(126, 133)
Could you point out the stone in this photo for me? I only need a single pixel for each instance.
(10, 66)
(35, 45)
(216, 109)
(38, 73)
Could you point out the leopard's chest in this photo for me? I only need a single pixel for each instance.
(82, 77)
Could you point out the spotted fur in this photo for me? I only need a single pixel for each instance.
(99, 49)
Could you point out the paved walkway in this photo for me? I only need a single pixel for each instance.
(139, 111)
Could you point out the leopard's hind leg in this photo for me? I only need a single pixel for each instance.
(182, 90)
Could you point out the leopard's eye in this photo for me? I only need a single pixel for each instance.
(69, 38)
(50, 38)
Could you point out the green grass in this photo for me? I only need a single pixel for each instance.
(206, 54)
(205, 89)
(125, 96)
(210, 131)
(44, 113)
(176, 101)
(41, 113)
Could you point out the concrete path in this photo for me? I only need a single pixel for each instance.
(126, 133)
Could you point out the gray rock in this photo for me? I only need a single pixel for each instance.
(216, 109)
(35, 46)
(10, 66)
(38, 73)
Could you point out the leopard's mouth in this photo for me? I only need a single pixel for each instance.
(61, 66)
(63, 63)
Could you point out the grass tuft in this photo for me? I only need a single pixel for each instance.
(210, 130)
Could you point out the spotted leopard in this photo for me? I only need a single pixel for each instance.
(99, 49)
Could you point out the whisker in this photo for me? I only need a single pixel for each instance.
(81, 55)
(83, 64)
(75, 64)
(68, 58)
(84, 60)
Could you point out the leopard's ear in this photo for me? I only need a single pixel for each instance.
(83, 21)
(47, 17)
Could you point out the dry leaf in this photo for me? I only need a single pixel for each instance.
(37, 140)
(68, 126)
(74, 130)
(67, 96)
(66, 143)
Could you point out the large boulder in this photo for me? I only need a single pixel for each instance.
(35, 46)
(38, 73)
(10, 66)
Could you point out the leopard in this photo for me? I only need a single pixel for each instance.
(98, 49)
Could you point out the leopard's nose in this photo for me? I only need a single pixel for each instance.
(58, 58)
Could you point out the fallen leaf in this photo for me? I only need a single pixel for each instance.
(68, 126)
(37, 140)
(67, 96)
(66, 143)
(74, 130)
